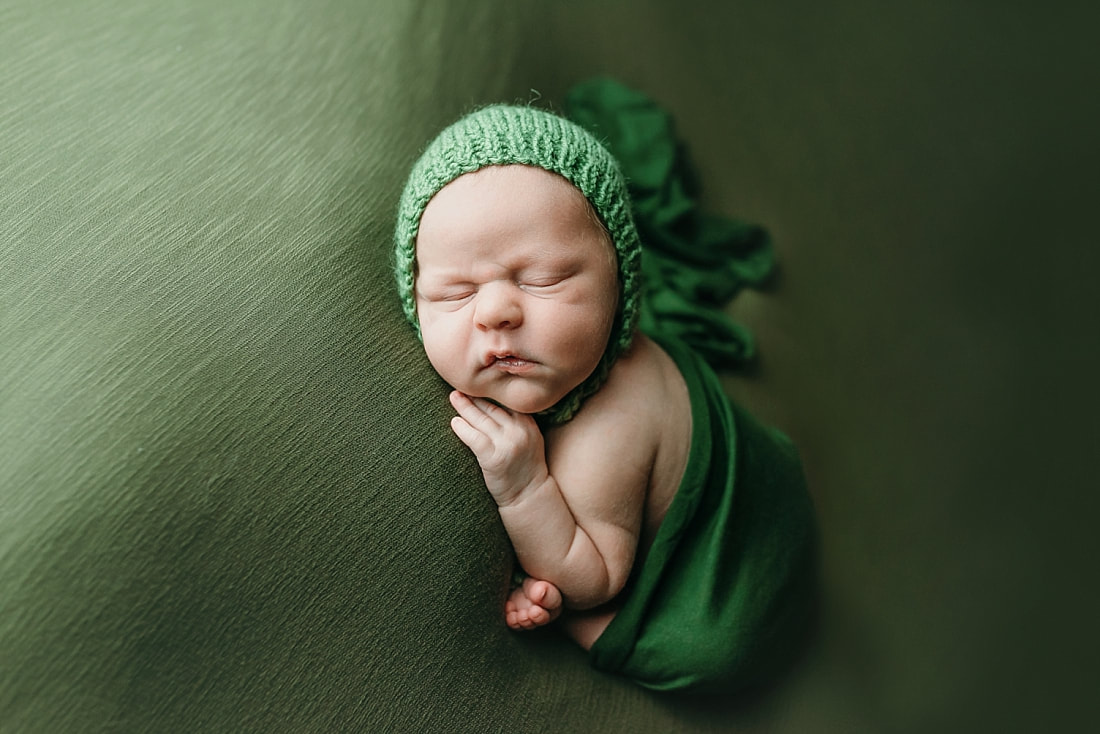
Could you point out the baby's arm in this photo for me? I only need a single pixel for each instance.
(582, 539)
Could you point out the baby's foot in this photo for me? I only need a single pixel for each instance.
(532, 605)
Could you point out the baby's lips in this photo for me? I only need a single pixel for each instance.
(504, 356)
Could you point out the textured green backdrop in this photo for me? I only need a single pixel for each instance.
(228, 496)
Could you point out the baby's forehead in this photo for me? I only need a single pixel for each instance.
(498, 192)
(496, 187)
(502, 211)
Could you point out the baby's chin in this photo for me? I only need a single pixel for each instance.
(519, 402)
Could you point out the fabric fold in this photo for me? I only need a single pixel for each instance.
(693, 263)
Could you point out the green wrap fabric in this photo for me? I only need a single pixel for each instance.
(694, 262)
(724, 596)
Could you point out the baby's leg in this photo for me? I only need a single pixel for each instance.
(587, 626)
(532, 604)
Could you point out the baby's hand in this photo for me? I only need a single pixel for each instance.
(508, 446)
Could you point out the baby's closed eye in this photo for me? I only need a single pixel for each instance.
(446, 294)
(547, 282)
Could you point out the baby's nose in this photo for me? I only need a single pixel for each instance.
(498, 306)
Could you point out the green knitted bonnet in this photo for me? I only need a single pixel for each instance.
(503, 135)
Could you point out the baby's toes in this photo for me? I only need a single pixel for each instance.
(538, 616)
(543, 594)
(512, 619)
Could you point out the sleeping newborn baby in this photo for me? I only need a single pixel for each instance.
(668, 532)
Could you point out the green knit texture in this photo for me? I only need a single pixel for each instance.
(504, 135)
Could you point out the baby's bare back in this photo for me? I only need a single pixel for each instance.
(635, 435)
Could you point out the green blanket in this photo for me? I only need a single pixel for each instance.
(694, 262)
(724, 595)
(726, 592)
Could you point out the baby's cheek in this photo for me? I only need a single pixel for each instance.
(433, 326)
(589, 333)
(437, 343)
(444, 350)
(434, 339)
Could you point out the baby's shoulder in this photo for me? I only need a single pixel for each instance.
(643, 393)
(645, 377)
(637, 427)
(634, 434)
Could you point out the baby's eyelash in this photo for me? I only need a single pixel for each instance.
(544, 282)
(445, 296)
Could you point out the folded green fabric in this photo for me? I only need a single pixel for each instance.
(694, 262)
(725, 594)
(726, 590)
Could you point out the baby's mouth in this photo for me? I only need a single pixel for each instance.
(510, 363)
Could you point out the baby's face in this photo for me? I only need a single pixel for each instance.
(517, 286)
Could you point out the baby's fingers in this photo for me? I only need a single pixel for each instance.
(474, 439)
(480, 414)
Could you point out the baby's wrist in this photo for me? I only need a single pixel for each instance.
(515, 493)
